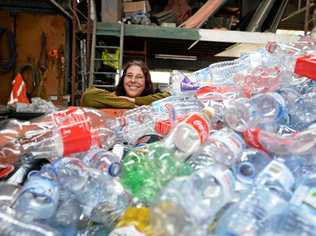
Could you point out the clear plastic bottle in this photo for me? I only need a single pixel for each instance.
(299, 143)
(303, 111)
(148, 168)
(101, 196)
(104, 161)
(251, 162)
(12, 224)
(224, 146)
(262, 109)
(182, 84)
(38, 199)
(222, 73)
(268, 197)
(133, 124)
(57, 134)
(299, 217)
(188, 135)
(173, 109)
(188, 204)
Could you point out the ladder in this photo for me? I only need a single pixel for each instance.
(106, 59)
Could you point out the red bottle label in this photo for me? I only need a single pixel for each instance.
(199, 124)
(163, 127)
(6, 169)
(75, 129)
(251, 136)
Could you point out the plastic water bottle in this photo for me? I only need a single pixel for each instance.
(299, 143)
(187, 204)
(182, 84)
(269, 196)
(277, 173)
(251, 162)
(68, 213)
(133, 124)
(173, 109)
(148, 168)
(102, 197)
(265, 109)
(303, 111)
(38, 198)
(12, 224)
(284, 55)
(104, 161)
(223, 146)
(222, 73)
(299, 217)
(57, 134)
(188, 135)
(261, 79)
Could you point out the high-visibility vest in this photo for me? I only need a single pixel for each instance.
(18, 91)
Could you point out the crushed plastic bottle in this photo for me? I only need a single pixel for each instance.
(267, 198)
(102, 197)
(265, 110)
(148, 168)
(55, 135)
(189, 134)
(224, 146)
(133, 124)
(252, 162)
(188, 204)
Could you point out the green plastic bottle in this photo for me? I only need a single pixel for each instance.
(146, 169)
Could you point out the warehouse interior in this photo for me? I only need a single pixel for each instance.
(68, 38)
(157, 117)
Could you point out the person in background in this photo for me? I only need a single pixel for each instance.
(135, 88)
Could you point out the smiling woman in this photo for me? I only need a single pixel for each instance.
(134, 89)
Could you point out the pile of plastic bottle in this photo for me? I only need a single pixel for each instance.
(230, 153)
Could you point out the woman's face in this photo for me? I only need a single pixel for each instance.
(134, 81)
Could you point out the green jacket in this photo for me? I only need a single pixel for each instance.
(100, 98)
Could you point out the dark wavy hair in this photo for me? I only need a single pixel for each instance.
(149, 88)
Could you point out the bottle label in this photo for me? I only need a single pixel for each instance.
(278, 171)
(163, 127)
(199, 124)
(220, 91)
(231, 139)
(75, 130)
(6, 169)
(251, 137)
(187, 84)
(126, 231)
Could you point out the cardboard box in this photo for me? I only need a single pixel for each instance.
(139, 6)
(111, 10)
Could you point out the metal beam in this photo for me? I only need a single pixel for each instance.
(244, 37)
(113, 29)
(227, 36)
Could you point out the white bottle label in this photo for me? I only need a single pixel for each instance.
(278, 171)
